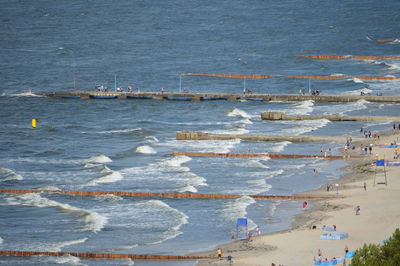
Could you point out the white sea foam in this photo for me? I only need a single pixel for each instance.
(66, 260)
(188, 188)
(265, 174)
(109, 177)
(1, 240)
(254, 163)
(94, 165)
(49, 188)
(237, 208)
(26, 94)
(175, 163)
(273, 207)
(338, 74)
(356, 80)
(108, 197)
(302, 127)
(92, 220)
(98, 159)
(58, 246)
(301, 108)
(168, 170)
(219, 146)
(127, 130)
(238, 113)
(9, 175)
(145, 150)
(180, 216)
(358, 105)
(245, 121)
(391, 66)
(234, 131)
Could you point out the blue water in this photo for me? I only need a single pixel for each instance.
(125, 145)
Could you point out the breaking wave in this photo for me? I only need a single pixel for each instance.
(92, 220)
(58, 246)
(66, 260)
(8, 175)
(127, 130)
(109, 177)
(301, 108)
(238, 113)
(98, 159)
(145, 150)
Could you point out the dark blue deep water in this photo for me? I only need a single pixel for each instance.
(125, 145)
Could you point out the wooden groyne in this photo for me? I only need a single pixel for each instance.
(325, 57)
(198, 135)
(282, 116)
(252, 155)
(101, 255)
(154, 194)
(176, 96)
(385, 41)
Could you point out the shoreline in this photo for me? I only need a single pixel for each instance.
(288, 245)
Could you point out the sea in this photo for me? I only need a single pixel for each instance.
(126, 145)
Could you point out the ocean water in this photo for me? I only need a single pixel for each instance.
(126, 145)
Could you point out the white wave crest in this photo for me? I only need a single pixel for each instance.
(65, 259)
(127, 130)
(255, 162)
(337, 75)
(219, 146)
(93, 221)
(151, 139)
(279, 146)
(108, 197)
(1, 240)
(26, 94)
(8, 175)
(188, 188)
(357, 80)
(234, 131)
(238, 113)
(301, 108)
(58, 246)
(175, 163)
(50, 188)
(109, 177)
(145, 150)
(305, 126)
(99, 159)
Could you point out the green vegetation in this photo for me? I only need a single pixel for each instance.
(387, 254)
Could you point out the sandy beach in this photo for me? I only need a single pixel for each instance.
(379, 215)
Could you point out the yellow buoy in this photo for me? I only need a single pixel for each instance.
(34, 122)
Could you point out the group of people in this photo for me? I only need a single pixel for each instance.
(394, 126)
(366, 149)
(312, 92)
(103, 88)
(334, 260)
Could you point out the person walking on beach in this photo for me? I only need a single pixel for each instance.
(365, 186)
(357, 209)
(219, 253)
